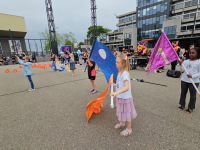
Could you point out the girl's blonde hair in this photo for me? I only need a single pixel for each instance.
(125, 62)
(72, 55)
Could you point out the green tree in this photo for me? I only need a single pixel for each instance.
(45, 35)
(81, 43)
(69, 43)
(62, 39)
(69, 39)
(101, 33)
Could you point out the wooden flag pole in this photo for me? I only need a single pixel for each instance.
(112, 103)
(192, 81)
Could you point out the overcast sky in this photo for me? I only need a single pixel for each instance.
(70, 15)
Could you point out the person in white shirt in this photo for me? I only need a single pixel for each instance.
(124, 100)
(193, 67)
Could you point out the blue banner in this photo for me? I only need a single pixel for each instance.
(105, 59)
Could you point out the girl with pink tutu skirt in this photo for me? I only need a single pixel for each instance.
(124, 100)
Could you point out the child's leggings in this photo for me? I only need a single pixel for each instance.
(30, 80)
(184, 90)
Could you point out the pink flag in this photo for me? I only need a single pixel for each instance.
(163, 54)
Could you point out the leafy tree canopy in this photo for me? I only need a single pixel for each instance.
(62, 39)
(81, 43)
(101, 33)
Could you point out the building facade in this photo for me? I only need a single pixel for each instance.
(150, 17)
(184, 22)
(126, 34)
(179, 19)
(12, 33)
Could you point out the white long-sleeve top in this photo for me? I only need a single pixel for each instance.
(193, 68)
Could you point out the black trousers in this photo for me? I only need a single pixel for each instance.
(173, 65)
(184, 89)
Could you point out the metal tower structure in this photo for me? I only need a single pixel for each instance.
(52, 28)
(94, 18)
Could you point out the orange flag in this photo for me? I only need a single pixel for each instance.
(96, 105)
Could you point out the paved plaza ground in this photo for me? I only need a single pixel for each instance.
(53, 116)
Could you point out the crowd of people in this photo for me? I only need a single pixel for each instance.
(5, 60)
(124, 100)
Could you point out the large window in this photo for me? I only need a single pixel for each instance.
(147, 21)
(121, 28)
(150, 10)
(141, 13)
(190, 3)
(183, 28)
(170, 30)
(150, 21)
(162, 7)
(144, 12)
(158, 8)
(138, 13)
(197, 27)
(142, 3)
(147, 11)
(161, 19)
(134, 17)
(127, 36)
(130, 18)
(166, 30)
(154, 20)
(178, 6)
(173, 29)
(194, 2)
(154, 9)
(119, 37)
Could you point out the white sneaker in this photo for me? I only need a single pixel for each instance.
(31, 89)
(155, 71)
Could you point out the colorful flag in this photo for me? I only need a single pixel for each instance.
(53, 66)
(163, 54)
(105, 59)
(82, 61)
(96, 105)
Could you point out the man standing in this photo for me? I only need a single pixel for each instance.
(177, 49)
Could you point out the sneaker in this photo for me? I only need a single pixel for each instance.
(31, 89)
(161, 70)
(158, 71)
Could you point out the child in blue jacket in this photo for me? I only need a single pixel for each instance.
(27, 70)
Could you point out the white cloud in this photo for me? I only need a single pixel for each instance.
(74, 16)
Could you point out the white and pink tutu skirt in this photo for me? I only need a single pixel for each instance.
(125, 109)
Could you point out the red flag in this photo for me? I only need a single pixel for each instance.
(96, 105)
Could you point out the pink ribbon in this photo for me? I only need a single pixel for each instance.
(126, 58)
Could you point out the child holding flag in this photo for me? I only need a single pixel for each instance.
(124, 100)
(193, 67)
(92, 75)
(27, 70)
